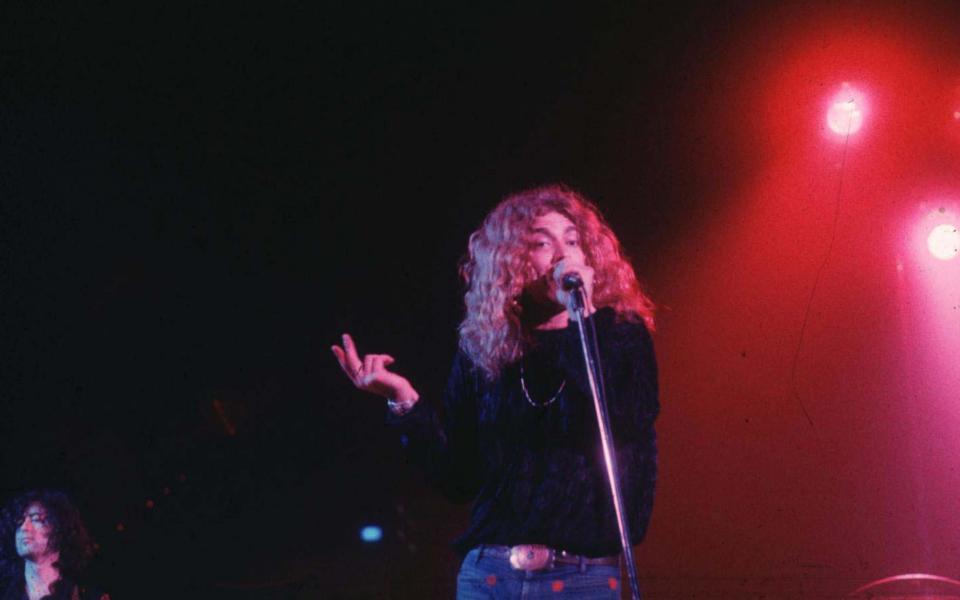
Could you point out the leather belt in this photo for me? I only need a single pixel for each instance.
(533, 557)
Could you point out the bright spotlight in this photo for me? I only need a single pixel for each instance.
(845, 115)
(944, 242)
(371, 533)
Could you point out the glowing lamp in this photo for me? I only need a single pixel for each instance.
(845, 115)
(371, 533)
(944, 242)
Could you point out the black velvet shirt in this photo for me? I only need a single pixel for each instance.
(536, 473)
(66, 589)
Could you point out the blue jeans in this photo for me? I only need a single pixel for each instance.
(485, 577)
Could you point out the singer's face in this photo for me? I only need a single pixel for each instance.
(553, 237)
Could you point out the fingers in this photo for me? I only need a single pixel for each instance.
(374, 365)
(558, 270)
(352, 373)
(362, 372)
(351, 359)
(348, 358)
(380, 362)
(350, 348)
(368, 361)
(338, 353)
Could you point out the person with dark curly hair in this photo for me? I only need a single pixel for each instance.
(516, 433)
(44, 546)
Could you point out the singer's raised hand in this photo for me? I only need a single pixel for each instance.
(370, 373)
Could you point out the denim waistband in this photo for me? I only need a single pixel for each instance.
(535, 557)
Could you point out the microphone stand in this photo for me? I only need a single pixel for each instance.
(591, 357)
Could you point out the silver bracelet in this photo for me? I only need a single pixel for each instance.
(400, 408)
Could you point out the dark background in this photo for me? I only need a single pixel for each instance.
(197, 201)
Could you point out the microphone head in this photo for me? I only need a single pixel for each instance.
(571, 281)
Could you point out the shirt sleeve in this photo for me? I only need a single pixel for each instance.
(444, 443)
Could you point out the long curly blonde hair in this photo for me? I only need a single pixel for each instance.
(497, 270)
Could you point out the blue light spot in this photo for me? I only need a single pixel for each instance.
(371, 533)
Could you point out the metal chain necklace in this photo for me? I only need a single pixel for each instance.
(526, 394)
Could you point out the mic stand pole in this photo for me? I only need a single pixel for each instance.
(591, 357)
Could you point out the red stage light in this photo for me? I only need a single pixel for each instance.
(944, 241)
(845, 115)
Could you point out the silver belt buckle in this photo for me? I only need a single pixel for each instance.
(530, 557)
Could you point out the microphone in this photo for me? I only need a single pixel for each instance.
(571, 281)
